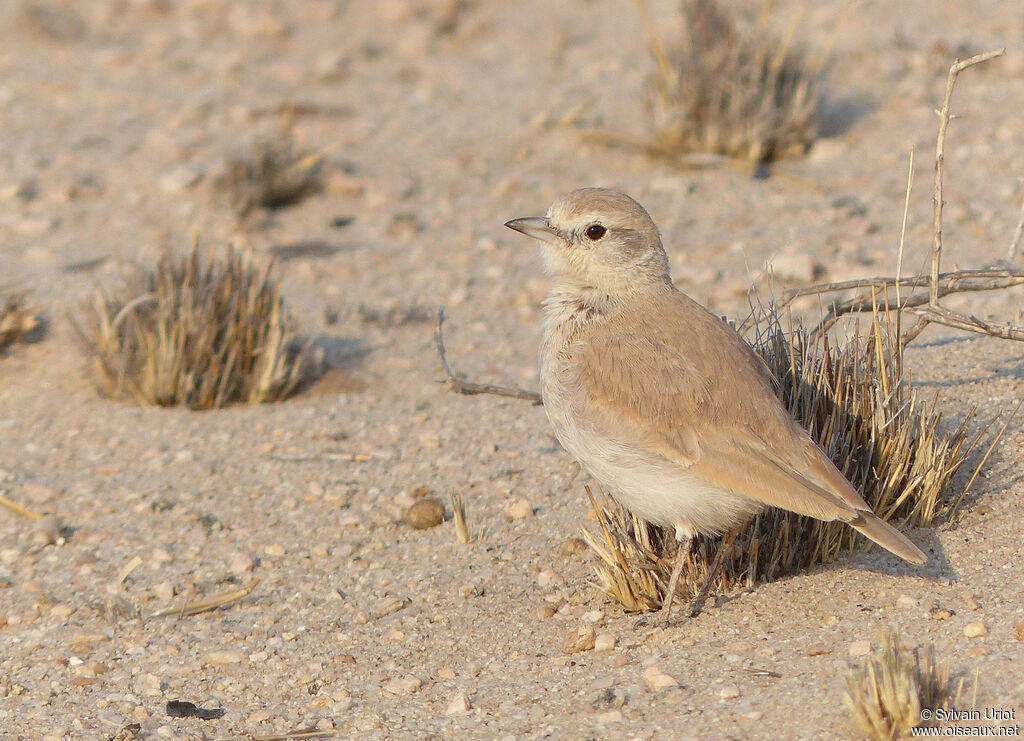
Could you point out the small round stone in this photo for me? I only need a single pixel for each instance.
(459, 705)
(519, 509)
(906, 602)
(657, 680)
(975, 629)
(860, 648)
(579, 639)
(425, 513)
(729, 692)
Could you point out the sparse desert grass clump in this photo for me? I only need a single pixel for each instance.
(17, 320)
(272, 173)
(730, 86)
(201, 330)
(886, 694)
(863, 410)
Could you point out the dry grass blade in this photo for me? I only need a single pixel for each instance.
(17, 320)
(865, 414)
(15, 507)
(459, 516)
(275, 173)
(887, 694)
(458, 385)
(198, 331)
(732, 88)
(210, 603)
(925, 304)
(292, 735)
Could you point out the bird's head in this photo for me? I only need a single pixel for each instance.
(598, 239)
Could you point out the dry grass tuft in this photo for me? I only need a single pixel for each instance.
(462, 531)
(886, 694)
(17, 320)
(202, 331)
(864, 412)
(731, 87)
(275, 173)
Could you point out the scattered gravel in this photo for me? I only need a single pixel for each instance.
(438, 122)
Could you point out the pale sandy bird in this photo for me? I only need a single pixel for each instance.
(661, 401)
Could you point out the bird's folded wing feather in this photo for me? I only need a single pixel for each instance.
(720, 420)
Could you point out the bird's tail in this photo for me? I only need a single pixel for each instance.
(888, 537)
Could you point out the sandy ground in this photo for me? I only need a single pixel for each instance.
(444, 120)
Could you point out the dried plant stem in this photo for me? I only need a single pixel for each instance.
(926, 306)
(903, 237)
(1018, 236)
(15, 507)
(940, 145)
(294, 735)
(459, 516)
(210, 603)
(456, 384)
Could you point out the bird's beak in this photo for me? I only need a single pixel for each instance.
(537, 227)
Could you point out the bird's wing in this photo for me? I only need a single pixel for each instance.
(703, 399)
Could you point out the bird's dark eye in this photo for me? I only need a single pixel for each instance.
(595, 232)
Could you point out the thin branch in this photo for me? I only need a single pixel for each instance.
(957, 281)
(940, 144)
(15, 507)
(210, 603)
(1018, 236)
(456, 384)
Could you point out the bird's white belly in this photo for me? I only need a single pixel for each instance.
(646, 483)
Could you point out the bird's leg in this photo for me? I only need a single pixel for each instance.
(683, 543)
(716, 566)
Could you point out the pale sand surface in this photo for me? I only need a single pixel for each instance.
(439, 133)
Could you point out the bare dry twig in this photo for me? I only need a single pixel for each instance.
(458, 385)
(210, 603)
(925, 306)
(15, 507)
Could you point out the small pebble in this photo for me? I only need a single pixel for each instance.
(519, 509)
(729, 692)
(163, 591)
(604, 642)
(657, 680)
(579, 639)
(47, 531)
(906, 602)
(459, 705)
(572, 547)
(860, 648)
(1020, 630)
(593, 616)
(224, 657)
(798, 266)
(274, 550)
(387, 607)
(608, 717)
(425, 513)
(975, 629)
(180, 178)
(939, 613)
(549, 578)
(971, 602)
(242, 563)
(403, 686)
